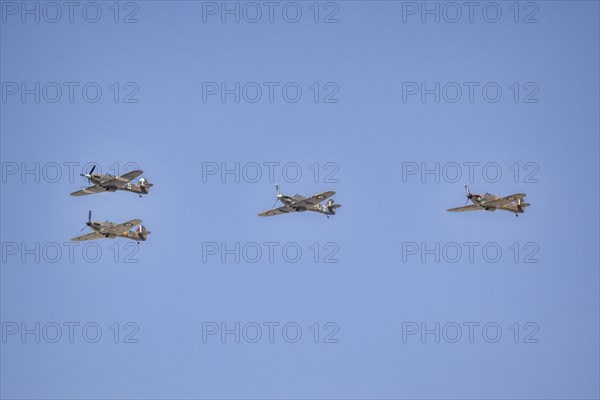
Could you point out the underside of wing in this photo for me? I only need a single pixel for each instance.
(88, 190)
(121, 228)
(276, 211)
(472, 207)
(89, 236)
(316, 199)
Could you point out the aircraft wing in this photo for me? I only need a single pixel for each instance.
(89, 190)
(89, 236)
(122, 180)
(472, 207)
(131, 175)
(316, 199)
(120, 228)
(504, 200)
(276, 211)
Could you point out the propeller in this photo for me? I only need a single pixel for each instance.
(469, 195)
(89, 220)
(88, 176)
(279, 195)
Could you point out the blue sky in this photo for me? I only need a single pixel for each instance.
(377, 290)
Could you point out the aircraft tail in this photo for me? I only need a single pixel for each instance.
(142, 232)
(145, 185)
(331, 206)
(521, 205)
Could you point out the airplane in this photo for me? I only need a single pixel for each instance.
(110, 230)
(110, 183)
(299, 203)
(489, 202)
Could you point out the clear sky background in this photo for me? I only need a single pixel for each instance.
(376, 290)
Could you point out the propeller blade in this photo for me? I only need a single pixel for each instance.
(93, 168)
(469, 195)
(90, 216)
(278, 195)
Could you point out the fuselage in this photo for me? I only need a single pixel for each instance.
(125, 185)
(291, 200)
(481, 199)
(103, 227)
